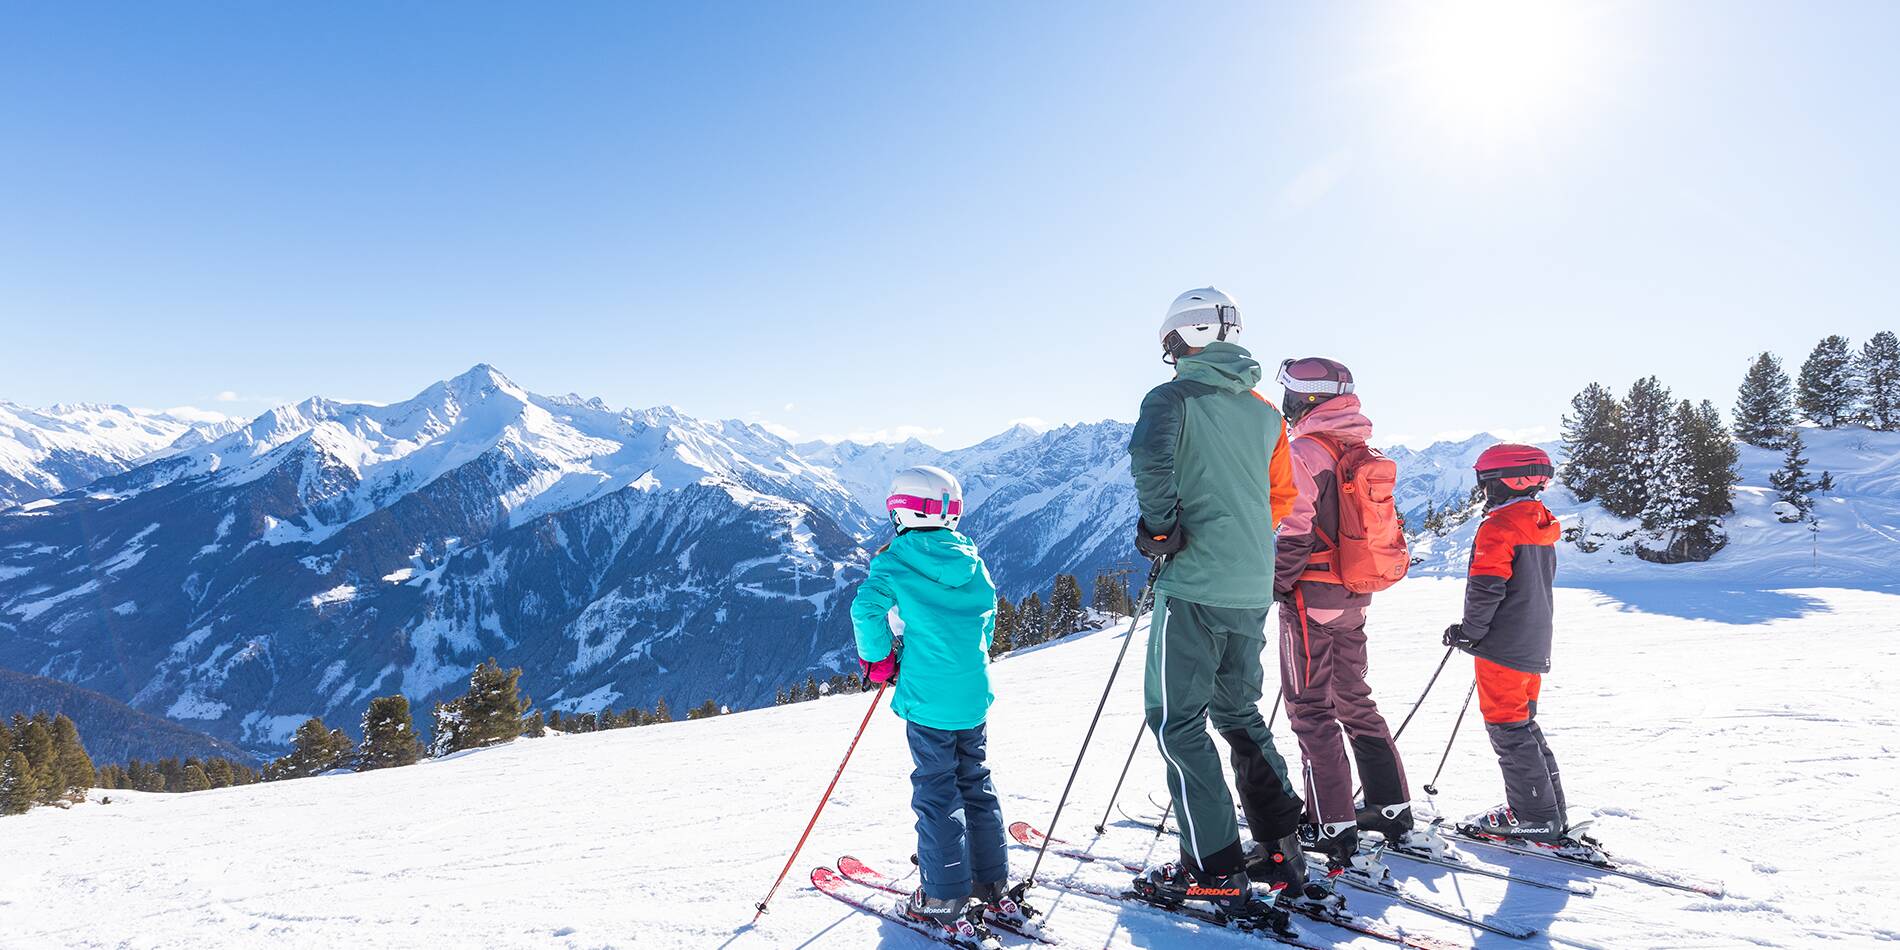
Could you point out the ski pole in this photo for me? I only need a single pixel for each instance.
(821, 802)
(1421, 701)
(1102, 825)
(1147, 597)
(1431, 787)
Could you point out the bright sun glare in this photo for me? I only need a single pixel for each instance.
(1496, 69)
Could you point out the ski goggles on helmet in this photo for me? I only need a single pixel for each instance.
(928, 506)
(1317, 386)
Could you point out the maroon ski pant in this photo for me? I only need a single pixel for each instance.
(1323, 676)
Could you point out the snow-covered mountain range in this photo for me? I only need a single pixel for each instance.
(47, 451)
(239, 581)
(327, 552)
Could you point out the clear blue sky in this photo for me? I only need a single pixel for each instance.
(886, 217)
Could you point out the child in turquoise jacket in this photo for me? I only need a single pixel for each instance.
(941, 592)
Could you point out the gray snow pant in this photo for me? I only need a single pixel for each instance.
(1323, 675)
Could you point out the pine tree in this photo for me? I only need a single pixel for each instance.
(74, 764)
(1791, 483)
(6, 739)
(811, 688)
(661, 714)
(495, 704)
(18, 789)
(35, 741)
(536, 726)
(1712, 461)
(1032, 621)
(220, 773)
(1065, 606)
(389, 735)
(1003, 638)
(1645, 416)
(1764, 405)
(1879, 371)
(1590, 436)
(1669, 509)
(1827, 392)
(196, 780)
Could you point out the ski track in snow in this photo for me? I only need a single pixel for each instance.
(1779, 734)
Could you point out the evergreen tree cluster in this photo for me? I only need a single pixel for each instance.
(42, 762)
(607, 719)
(1837, 386)
(172, 775)
(1668, 463)
(812, 689)
(490, 713)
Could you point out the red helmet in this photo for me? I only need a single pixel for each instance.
(1519, 467)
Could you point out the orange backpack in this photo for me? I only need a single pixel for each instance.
(1370, 553)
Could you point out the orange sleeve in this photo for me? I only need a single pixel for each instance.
(1280, 489)
(1493, 549)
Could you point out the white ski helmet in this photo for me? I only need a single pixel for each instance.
(925, 497)
(1197, 318)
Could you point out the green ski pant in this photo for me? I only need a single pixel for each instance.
(1204, 663)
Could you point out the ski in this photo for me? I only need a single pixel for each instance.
(1599, 862)
(871, 877)
(1029, 837)
(1202, 914)
(1454, 860)
(840, 887)
(1392, 890)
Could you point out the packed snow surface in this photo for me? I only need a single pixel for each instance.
(1745, 738)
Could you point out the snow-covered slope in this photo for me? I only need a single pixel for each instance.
(47, 451)
(1686, 738)
(1857, 542)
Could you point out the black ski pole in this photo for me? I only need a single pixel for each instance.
(1102, 825)
(1431, 787)
(1147, 598)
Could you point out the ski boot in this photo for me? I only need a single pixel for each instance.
(1338, 842)
(960, 919)
(1502, 822)
(1006, 908)
(1400, 830)
(1282, 866)
(1171, 885)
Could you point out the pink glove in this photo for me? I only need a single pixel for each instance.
(883, 671)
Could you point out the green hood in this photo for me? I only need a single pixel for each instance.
(1225, 366)
(946, 557)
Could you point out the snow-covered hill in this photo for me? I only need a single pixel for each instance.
(1857, 542)
(1685, 737)
(47, 451)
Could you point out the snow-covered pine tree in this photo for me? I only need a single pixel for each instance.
(1712, 460)
(1065, 606)
(1003, 639)
(1879, 370)
(389, 735)
(1644, 423)
(1032, 621)
(1590, 436)
(1828, 392)
(662, 714)
(1764, 405)
(1791, 482)
(1668, 506)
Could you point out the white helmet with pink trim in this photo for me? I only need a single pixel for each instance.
(925, 497)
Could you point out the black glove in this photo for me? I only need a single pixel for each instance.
(1155, 544)
(1455, 637)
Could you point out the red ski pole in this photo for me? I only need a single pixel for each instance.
(821, 802)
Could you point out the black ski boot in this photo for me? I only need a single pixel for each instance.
(1400, 830)
(1171, 885)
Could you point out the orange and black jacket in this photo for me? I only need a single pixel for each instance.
(1508, 611)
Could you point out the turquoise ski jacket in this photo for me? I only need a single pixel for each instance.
(946, 603)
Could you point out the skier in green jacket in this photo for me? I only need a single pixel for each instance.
(1213, 476)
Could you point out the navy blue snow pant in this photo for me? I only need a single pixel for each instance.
(959, 822)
